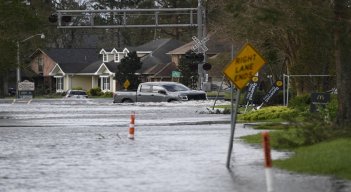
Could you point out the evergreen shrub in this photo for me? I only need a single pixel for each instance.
(268, 113)
(95, 91)
(108, 94)
(300, 103)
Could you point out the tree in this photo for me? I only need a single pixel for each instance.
(188, 66)
(66, 38)
(286, 33)
(342, 40)
(116, 37)
(312, 37)
(136, 36)
(127, 69)
(177, 33)
(17, 21)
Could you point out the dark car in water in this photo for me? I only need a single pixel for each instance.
(11, 91)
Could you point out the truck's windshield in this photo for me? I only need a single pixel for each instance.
(175, 88)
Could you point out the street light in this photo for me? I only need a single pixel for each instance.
(18, 59)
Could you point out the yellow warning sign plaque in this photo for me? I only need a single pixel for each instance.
(244, 66)
(126, 84)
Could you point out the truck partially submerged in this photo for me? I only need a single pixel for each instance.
(159, 92)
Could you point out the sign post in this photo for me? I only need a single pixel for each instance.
(240, 71)
(234, 109)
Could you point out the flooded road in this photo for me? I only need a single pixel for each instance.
(83, 145)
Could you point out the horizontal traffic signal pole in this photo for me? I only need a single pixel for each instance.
(154, 15)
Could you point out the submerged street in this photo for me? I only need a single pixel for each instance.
(83, 145)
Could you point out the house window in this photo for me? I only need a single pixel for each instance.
(105, 82)
(104, 58)
(40, 62)
(59, 84)
(116, 57)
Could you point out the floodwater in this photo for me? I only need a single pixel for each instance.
(83, 145)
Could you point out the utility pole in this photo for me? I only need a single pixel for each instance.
(18, 69)
(200, 37)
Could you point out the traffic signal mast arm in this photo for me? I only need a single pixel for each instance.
(187, 15)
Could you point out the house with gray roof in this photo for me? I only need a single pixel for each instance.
(157, 64)
(64, 69)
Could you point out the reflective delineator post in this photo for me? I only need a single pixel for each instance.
(267, 161)
(131, 126)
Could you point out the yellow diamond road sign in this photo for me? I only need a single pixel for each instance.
(126, 84)
(244, 66)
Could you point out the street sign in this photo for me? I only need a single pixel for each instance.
(319, 100)
(176, 74)
(273, 90)
(251, 89)
(244, 66)
(126, 84)
(26, 86)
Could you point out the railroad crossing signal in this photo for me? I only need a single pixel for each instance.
(200, 46)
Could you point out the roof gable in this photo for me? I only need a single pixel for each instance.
(57, 70)
(158, 49)
(103, 69)
(73, 60)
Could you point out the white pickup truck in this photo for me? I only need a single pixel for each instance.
(159, 92)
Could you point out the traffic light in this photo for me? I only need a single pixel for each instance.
(53, 18)
(206, 66)
(66, 19)
(194, 59)
(199, 58)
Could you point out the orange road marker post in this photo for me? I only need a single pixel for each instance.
(267, 161)
(132, 126)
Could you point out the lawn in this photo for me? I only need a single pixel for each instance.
(326, 158)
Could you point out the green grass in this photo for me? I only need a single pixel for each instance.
(317, 147)
(326, 158)
(257, 139)
(275, 124)
(252, 139)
